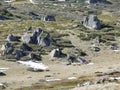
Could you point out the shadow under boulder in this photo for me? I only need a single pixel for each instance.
(24, 47)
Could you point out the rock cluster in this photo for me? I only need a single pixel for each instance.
(8, 49)
(91, 22)
(38, 37)
(25, 47)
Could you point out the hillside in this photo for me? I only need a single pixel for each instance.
(79, 42)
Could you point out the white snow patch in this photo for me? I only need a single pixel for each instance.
(34, 65)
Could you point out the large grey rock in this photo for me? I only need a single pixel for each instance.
(7, 48)
(41, 38)
(91, 22)
(26, 38)
(18, 54)
(10, 37)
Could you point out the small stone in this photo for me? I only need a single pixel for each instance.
(101, 81)
(49, 18)
(55, 53)
(81, 60)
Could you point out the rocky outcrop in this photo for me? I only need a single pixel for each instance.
(91, 22)
(41, 38)
(29, 40)
(35, 34)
